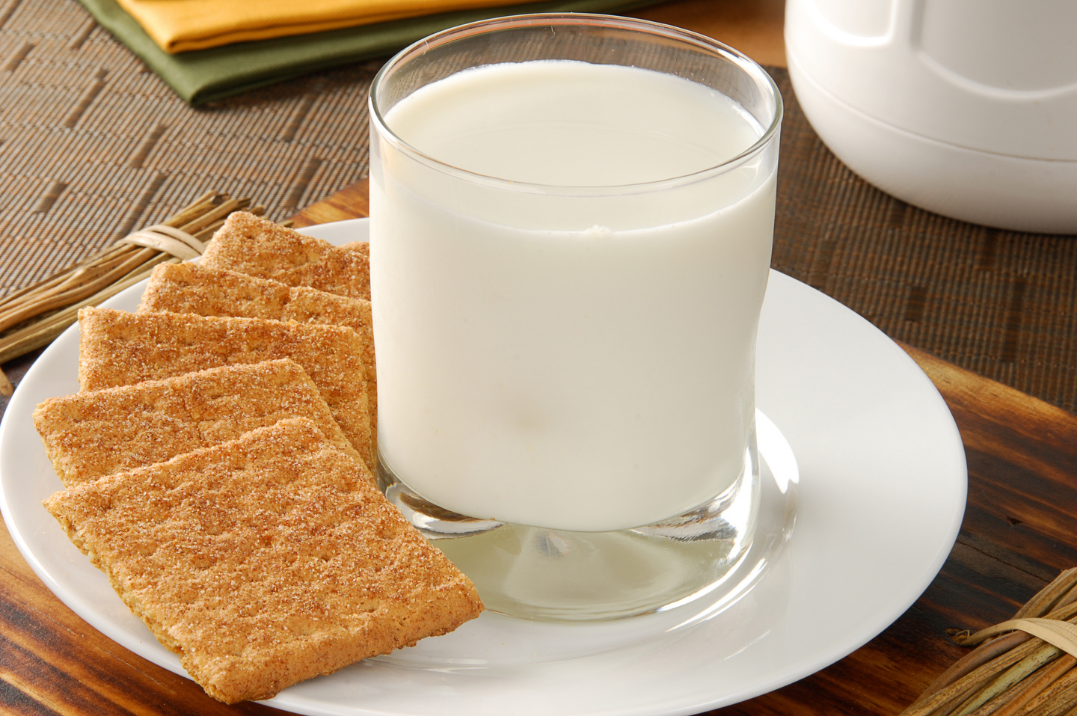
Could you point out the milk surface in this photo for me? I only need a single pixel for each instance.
(555, 351)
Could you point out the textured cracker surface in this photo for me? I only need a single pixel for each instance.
(251, 245)
(92, 434)
(265, 561)
(119, 348)
(199, 290)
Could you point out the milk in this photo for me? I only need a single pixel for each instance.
(572, 349)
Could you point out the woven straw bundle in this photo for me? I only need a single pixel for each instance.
(1024, 666)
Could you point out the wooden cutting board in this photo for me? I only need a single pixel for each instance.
(1018, 533)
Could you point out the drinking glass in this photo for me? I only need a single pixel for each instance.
(571, 229)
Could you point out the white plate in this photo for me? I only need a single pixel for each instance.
(882, 490)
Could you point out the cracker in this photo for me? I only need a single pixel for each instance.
(118, 348)
(265, 561)
(191, 288)
(252, 245)
(92, 434)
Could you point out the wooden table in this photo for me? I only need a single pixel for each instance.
(1018, 533)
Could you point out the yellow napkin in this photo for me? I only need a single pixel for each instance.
(182, 25)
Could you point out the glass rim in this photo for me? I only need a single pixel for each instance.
(420, 47)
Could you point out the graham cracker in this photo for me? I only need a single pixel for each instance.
(199, 290)
(252, 245)
(119, 348)
(92, 434)
(265, 561)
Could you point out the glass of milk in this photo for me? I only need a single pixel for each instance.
(571, 228)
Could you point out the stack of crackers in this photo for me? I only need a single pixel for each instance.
(218, 467)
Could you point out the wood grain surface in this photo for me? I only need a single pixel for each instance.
(1018, 533)
(754, 27)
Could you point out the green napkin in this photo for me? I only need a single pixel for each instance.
(201, 76)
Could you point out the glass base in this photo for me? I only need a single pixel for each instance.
(718, 549)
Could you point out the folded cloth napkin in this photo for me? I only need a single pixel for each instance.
(202, 76)
(183, 25)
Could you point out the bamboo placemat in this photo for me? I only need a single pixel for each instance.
(93, 146)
